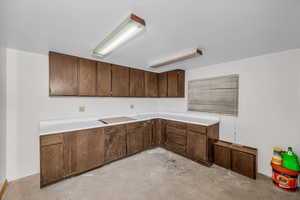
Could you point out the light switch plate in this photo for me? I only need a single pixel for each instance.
(81, 108)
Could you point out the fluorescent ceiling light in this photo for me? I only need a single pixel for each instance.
(194, 53)
(124, 32)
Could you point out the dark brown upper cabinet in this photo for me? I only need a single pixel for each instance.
(63, 72)
(103, 79)
(137, 83)
(73, 76)
(176, 83)
(87, 77)
(163, 84)
(151, 84)
(120, 81)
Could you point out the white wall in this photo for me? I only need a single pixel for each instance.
(2, 115)
(28, 103)
(269, 102)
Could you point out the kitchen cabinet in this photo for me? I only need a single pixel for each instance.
(148, 137)
(135, 137)
(176, 83)
(137, 83)
(83, 150)
(120, 81)
(196, 145)
(63, 75)
(156, 132)
(52, 159)
(243, 163)
(90, 149)
(115, 143)
(71, 153)
(238, 158)
(73, 76)
(222, 154)
(176, 137)
(163, 84)
(151, 84)
(87, 77)
(103, 79)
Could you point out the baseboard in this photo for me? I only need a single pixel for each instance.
(3, 189)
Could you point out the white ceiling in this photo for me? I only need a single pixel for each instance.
(227, 30)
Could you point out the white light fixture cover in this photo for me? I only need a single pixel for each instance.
(125, 31)
(179, 58)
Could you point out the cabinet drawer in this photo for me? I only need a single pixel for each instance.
(51, 139)
(176, 138)
(243, 163)
(196, 128)
(135, 125)
(177, 131)
(175, 147)
(179, 125)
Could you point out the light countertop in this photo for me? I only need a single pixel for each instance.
(67, 125)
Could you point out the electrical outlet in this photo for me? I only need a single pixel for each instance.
(81, 108)
(131, 106)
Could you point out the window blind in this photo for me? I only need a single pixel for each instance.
(214, 95)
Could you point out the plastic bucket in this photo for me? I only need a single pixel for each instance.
(284, 178)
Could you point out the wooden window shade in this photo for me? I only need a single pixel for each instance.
(214, 95)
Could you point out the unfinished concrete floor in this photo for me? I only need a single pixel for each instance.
(151, 175)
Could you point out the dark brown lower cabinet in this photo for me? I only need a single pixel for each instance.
(115, 143)
(238, 158)
(83, 150)
(90, 149)
(196, 145)
(70, 153)
(243, 163)
(148, 135)
(52, 159)
(67, 154)
(135, 137)
(176, 137)
(222, 156)
(156, 132)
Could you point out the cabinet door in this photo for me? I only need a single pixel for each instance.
(135, 138)
(148, 137)
(51, 158)
(156, 132)
(87, 77)
(196, 146)
(163, 84)
(181, 83)
(103, 79)
(115, 143)
(222, 156)
(70, 153)
(176, 83)
(137, 83)
(120, 81)
(63, 72)
(90, 149)
(151, 84)
(172, 84)
(243, 163)
(163, 127)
